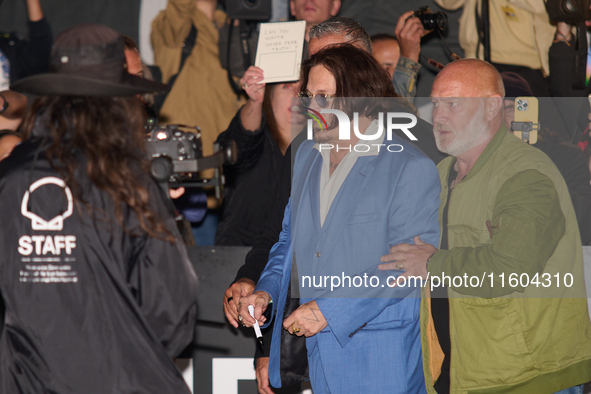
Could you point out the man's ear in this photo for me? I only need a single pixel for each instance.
(336, 7)
(494, 106)
(292, 7)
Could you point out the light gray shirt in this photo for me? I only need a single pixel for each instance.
(330, 184)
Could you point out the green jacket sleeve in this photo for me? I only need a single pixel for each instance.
(526, 225)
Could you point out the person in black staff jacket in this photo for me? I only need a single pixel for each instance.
(98, 288)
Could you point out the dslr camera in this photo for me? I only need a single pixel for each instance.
(430, 20)
(176, 157)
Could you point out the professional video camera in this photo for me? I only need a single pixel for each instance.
(176, 157)
(573, 12)
(430, 20)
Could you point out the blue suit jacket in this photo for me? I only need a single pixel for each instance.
(372, 341)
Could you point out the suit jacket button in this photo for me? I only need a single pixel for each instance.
(317, 254)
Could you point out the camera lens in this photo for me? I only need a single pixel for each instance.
(161, 168)
(570, 7)
(441, 20)
(430, 20)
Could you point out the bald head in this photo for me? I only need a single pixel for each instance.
(468, 78)
(468, 108)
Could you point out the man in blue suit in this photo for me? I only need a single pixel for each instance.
(351, 200)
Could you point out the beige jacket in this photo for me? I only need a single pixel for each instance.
(201, 95)
(521, 33)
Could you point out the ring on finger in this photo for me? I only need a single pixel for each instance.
(399, 266)
(245, 86)
(240, 319)
(295, 330)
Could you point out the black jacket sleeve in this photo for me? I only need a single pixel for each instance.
(562, 62)
(573, 166)
(257, 258)
(31, 56)
(164, 283)
(249, 143)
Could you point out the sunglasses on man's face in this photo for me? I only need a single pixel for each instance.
(321, 98)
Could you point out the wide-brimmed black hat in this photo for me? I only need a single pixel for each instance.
(87, 60)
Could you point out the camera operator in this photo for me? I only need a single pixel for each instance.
(409, 31)
(200, 93)
(399, 55)
(99, 292)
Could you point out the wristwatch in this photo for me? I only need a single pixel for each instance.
(5, 105)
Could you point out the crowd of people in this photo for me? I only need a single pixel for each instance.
(95, 260)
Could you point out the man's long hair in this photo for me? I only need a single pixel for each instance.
(357, 74)
(106, 134)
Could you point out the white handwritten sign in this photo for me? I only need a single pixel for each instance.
(279, 50)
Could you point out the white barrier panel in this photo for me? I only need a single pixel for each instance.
(149, 9)
(226, 372)
(185, 365)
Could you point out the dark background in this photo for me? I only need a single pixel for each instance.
(376, 16)
(121, 15)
